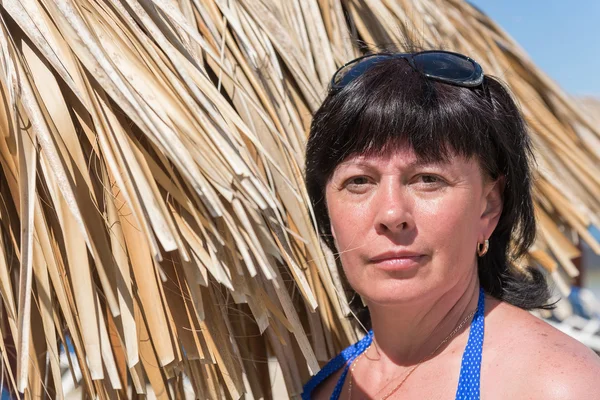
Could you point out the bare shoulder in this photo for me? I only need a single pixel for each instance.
(537, 359)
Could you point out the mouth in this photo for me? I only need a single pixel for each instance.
(397, 261)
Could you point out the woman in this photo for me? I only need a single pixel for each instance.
(418, 169)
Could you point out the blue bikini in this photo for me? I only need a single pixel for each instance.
(470, 369)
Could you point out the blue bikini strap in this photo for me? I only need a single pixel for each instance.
(344, 358)
(470, 369)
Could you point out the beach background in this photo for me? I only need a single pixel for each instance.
(591, 278)
(562, 39)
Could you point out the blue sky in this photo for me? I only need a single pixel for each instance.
(562, 37)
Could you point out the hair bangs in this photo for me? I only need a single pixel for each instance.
(403, 108)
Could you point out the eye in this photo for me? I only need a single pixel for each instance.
(429, 179)
(429, 182)
(357, 183)
(357, 180)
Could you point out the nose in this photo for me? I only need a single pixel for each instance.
(393, 207)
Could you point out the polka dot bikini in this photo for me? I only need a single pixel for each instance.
(470, 369)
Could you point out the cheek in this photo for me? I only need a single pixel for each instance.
(347, 223)
(447, 213)
(450, 226)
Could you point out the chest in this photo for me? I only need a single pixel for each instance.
(433, 380)
(427, 383)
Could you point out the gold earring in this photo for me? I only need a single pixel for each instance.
(483, 248)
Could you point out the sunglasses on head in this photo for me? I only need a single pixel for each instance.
(439, 65)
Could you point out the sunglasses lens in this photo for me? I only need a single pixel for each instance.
(352, 71)
(445, 65)
(438, 65)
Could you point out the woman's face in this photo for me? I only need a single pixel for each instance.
(408, 230)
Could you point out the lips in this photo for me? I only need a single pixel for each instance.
(390, 255)
(397, 260)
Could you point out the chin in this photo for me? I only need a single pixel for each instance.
(390, 292)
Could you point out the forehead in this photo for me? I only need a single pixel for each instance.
(403, 156)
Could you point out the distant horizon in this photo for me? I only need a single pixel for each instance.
(561, 38)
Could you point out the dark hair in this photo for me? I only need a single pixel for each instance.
(392, 105)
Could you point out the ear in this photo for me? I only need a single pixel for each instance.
(492, 207)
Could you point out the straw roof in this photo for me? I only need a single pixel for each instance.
(152, 207)
(591, 106)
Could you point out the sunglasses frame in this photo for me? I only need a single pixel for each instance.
(474, 80)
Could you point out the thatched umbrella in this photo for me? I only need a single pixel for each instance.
(152, 206)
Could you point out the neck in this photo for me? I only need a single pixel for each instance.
(407, 334)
